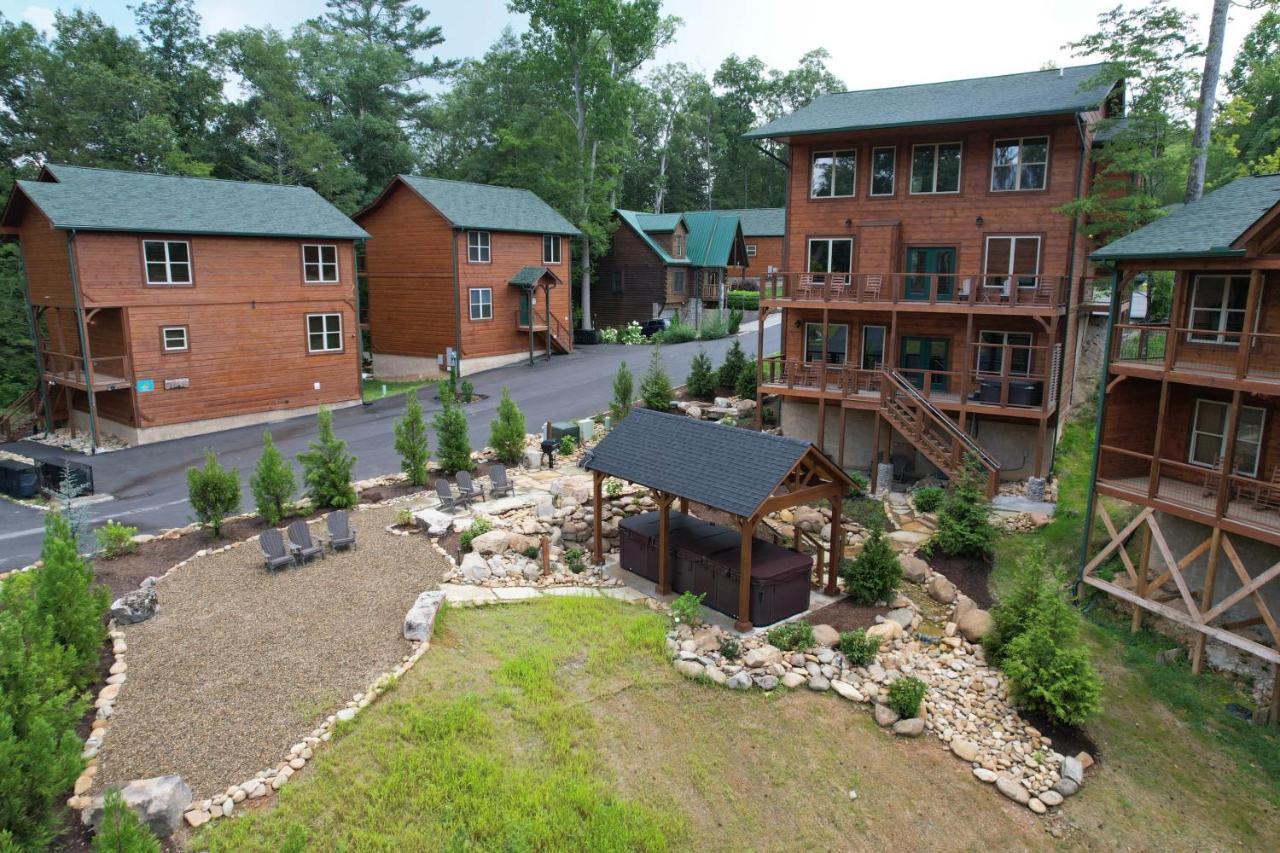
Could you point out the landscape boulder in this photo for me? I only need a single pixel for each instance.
(963, 605)
(493, 542)
(159, 803)
(133, 607)
(474, 567)
(887, 631)
(825, 635)
(421, 618)
(914, 569)
(941, 590)
(762, 656)
(974, 625)
(910, 727)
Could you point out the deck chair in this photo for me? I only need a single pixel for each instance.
(448, 500)
(304, 547)
(840, 285)
(277, 556)
(340, 533)
(1265, 493)
(467, 489)
(498, 482)
(1211, 476)
(871, 286)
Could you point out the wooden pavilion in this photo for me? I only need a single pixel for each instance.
(741, 472)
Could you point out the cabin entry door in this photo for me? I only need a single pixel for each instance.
(926, 263)
(926, 354)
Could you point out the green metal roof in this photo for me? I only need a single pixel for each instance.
(1209, 227)
(109, 200)
(711, 237)
(634, 220)
(1035, 93)
(529, 276)
(658, 222)
(488, 208)
(760, 221)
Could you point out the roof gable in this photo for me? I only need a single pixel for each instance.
(109, 200)
(760, 221)
(633, 219)
(711, 237)
(483, 207)
(1211, 227)
(700, 460)
(1063, 90)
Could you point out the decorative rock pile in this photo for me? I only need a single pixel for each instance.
(735, 408)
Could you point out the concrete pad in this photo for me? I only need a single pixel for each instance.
(461, 593)
(1013, 503)
(623, 593)
(515, 593)
(580, 591)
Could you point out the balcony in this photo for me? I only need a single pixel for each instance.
(1198, 355)
(920, 291)
(1248, 505)
(110, 372)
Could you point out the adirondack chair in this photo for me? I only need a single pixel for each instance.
(1265, 493)
(275, 553)
(301, 542)
(448, 500)
(467, 489)
(340, 533)
(871, 286)
(498, 482)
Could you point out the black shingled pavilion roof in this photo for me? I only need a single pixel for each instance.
(730, 469)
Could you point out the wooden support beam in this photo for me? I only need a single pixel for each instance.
(844, 419)
(837, 547)
(1249, 586)
(875, 455)
(664, 549)
(1117, 540)
(597, 509)
(684, 506)
(747, 526)
(1140, 579)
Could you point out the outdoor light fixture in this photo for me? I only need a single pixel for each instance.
(848, 223)
(978, 222)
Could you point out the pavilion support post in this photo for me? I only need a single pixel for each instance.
(837, 546)
(1206, 598)
(596, 511)
(748, 529)
(664, 547)
(684, 506)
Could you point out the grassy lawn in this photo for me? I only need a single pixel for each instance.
(560, 726)
(373, 388)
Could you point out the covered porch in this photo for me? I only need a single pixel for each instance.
(742, 473)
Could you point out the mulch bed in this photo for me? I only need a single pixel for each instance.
(970, 575)
(1068, 740)
(846, 615)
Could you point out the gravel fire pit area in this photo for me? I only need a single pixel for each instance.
(239, 663)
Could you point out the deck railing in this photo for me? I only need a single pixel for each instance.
(1206, 351)
(69, 369)
(1040, 291)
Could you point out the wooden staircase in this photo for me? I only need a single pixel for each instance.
(17, 418)
(561, 338)
(931, 432)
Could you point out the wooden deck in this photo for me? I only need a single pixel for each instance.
(1198, 503)
(76, 379)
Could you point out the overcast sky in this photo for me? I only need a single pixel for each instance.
(871, 44)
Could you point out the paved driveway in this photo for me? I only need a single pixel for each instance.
(149, 483)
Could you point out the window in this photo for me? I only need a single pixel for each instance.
(1020, 164)
(478, 247)
(324, 333)
(833, 174)
(751, 250)
(677, 282)
(884, 163)
(873, 338)
(1010, 257)
(1217, 308)
(174, 338)
(551, 248)
(837, 343)
(482, 303)
(168, 261)
(617, 281)
(831, 255)
(995, 347)
(319, 263)
(1209, 436)
(677, 245)
(935, 168)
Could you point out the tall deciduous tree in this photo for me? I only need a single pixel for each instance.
(1208, 97)
(1249, 122)
(590, 50)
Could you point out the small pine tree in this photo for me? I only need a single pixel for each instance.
(507, 431)
(327, 467)
(745, 387)
(214, 492)
(964, 519)
(64, 498)
(734, 362)
(655, 385)
(702, 376)
(65, 595)
(452, 440)
(411, 441)
(875, 573)
(120, 830)
(272, 483)
(623, 393)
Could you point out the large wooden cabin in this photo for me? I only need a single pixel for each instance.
(666, 264)
(1190, 420)
(464, 269)
(931, 288)
(169, 306)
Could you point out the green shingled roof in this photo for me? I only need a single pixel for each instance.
(529, 276)
(634, 220)
(109, 200)
(760, 221)
(1065, 90)
(1209, 227)
(489, 208)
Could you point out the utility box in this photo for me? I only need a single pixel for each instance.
(18, 479)
(81, 476)
(560, 429)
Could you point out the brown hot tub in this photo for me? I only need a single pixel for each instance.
(779, 582)
(638, 540)
(691, 569)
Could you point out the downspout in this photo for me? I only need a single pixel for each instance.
(1073, 305)
(35, 340)
(84, 347)
(1091, 497)
(456, 369)
(355, 290)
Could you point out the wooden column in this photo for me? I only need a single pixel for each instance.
(747, 526)
(822, 381)
(875, 454)
(1273, 715)
(844, 418)
(1250, 315)
(596, 509)
(684, 506)
(1140, 585)
(664, 549)
(1206, 598)
(761, 314)
(837, 546)
(1228, 456)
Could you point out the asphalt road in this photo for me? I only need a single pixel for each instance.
(148, 484)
